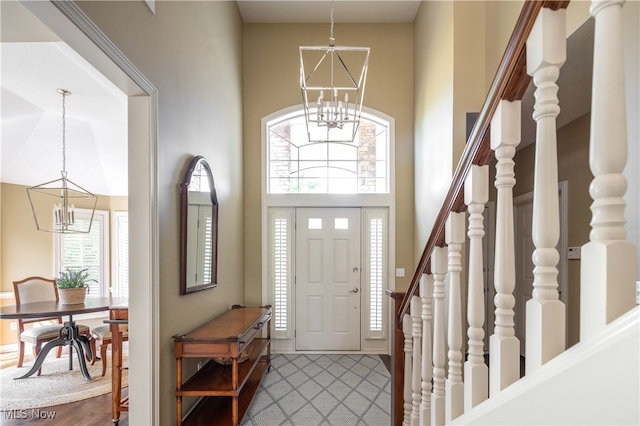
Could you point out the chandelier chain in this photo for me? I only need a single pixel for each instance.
(64, 132)
(332, 40)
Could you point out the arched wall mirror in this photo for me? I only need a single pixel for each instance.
(198, 228)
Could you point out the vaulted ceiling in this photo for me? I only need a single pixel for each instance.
(35, 63)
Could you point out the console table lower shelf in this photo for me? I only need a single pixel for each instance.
(216, 410)
(225, 391)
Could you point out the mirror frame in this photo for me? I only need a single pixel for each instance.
(184, 203)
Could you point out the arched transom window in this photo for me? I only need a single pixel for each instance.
(297, 166)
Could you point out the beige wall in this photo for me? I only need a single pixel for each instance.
(433, 105)
(271, 83)
(191, 52)
(451, 62)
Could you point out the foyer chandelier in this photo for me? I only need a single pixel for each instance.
(332, 95)
(54, 203)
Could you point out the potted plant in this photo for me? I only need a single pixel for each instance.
(73, 286)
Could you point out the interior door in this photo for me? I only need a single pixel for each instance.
(327, 279)
(524, 266)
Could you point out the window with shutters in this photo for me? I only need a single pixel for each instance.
(87, 251)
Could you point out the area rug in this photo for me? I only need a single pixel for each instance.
(55, 386)
(331, 390)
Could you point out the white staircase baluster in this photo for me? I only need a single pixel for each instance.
(504, 347)
(609, 262)
(476, 373)
(454, 237)
(407, 329)
(426, 292)
(545, 313)
(438, 269)
(416, 376)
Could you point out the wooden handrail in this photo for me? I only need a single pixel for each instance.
(510, 83)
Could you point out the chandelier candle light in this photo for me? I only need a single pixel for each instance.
(63, 195)
(336, 94)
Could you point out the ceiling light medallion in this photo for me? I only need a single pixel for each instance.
(335, 92)
(55, 202)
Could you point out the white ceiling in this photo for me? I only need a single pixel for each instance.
(34, 64)
(309, 11)
(96, 120)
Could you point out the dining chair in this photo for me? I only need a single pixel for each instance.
(101, 335)
(32, 290)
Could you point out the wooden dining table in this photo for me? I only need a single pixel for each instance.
(68, 335)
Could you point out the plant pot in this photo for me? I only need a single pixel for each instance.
(72, 296)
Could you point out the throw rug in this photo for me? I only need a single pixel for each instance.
(56, 385)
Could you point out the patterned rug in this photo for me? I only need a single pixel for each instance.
(333, 390)
(56, 385)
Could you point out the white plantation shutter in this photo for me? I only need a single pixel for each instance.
(281, 276)
(121, 255)
(208, 245)
(87, 251)
(375, 255)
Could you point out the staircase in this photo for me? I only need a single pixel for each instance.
(439, 375)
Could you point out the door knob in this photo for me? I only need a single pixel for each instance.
(355, 269)
(355, 290)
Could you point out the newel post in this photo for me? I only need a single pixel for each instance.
(608, 264)
(545, 313)
(397, 360)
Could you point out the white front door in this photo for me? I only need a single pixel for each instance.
(328, 279)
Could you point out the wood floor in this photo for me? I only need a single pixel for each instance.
(88, 412)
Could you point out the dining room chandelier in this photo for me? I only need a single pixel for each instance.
(54, 203)
(332, 94)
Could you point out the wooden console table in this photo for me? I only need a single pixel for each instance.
(226, 391)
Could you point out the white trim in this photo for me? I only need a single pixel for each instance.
(6, 295)
(73, 27)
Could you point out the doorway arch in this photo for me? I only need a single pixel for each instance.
(73, 27)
